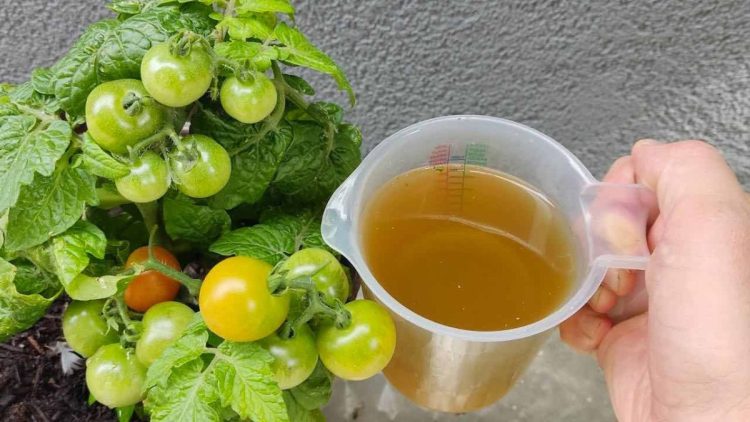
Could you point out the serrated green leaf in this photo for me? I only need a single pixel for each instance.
(67, 255)
(270, 244)
(28, 147)
(240, 29)
(263, 6)
(252, 169)
(245, 381)
(311, 169)
(199, 224)
(99, 162)
(192, 383)
(48, 207)
(121, 53)
(304, 223)
(302, 52)
(190, 346)
(189, 396)
(30, 279)
(297, 413)
(18, 311)
(111, 49)
(88, 287)
(277, 237)
(316, 390)
(123, 223)
(299, 84)
(41, 81)
(75, 75)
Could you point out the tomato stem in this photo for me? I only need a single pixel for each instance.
(193, 285)
(329, 127)
(318, 304)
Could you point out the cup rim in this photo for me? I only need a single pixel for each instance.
(588, 284)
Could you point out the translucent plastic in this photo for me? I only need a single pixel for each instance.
(455, 370)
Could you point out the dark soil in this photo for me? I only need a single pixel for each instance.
(32, 384)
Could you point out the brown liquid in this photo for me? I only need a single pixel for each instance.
(469, 247)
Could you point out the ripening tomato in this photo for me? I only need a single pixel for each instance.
(235, 301)
(151, 287)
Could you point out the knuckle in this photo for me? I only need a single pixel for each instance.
(695, 148)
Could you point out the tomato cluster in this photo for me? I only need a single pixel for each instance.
(134, 119)
(237, 305)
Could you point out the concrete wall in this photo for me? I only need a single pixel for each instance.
(595, 75)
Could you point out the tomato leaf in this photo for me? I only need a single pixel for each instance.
(67, 255)
(183, 384)
(311, 170)
(98, 162)
(265, 242)
(111, 49)
(245, 379)
(190, 346)
(48, 207)
(199, 224)
(263, 6)
(27, 147)
(75, 75)
(299, 84)
(19, 311)
(297, 413)
(241, 29)
(278, 236)
(302, 52)
(315, 391)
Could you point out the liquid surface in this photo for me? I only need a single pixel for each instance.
(468, 247)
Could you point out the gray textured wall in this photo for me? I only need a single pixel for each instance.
(593, 75)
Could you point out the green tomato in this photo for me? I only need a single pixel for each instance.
(362, 349)
(200, 167)
(115, 377)
(250, 101)
(294, 359)
(324, 269)
(84, 327)
(163, 324)
(175, 80)
(115, 122)
(148, 179)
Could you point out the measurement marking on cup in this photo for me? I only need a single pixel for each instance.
(453, 162)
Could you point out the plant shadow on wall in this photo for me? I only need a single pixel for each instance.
(171, 134)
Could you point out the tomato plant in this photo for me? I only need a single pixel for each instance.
(148, 179)
(115, 377)
(362, 349)
(294, 358)
(179, 123)
(163, 324)
(120, 113)
(248, 101)
(84, 327)
(177, 78)
(322, 267)
(235, 301)
(200, 166)
(151, 287)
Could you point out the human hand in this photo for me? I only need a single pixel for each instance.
(688, 356)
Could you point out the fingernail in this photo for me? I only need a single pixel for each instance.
(648, 142)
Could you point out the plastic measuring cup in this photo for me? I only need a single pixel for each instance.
(455, 370)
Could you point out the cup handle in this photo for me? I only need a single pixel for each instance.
(617, 218)
(616, 221)
(337, 222)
